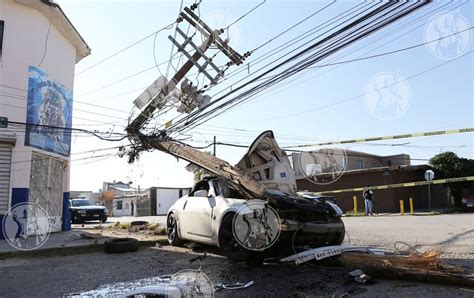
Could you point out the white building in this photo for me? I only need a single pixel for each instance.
(39, 48)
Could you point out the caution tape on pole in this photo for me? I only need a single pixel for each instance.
(394, 137)
(398, 185)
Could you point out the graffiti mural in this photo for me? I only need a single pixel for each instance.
(50, 111)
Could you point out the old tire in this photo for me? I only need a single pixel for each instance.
(229, 245)
(140, 224)
(121, 245)
(172, 230)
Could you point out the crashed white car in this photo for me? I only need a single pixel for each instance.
(217, 213)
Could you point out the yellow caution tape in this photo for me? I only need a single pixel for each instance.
(398, 185)
(395, 137)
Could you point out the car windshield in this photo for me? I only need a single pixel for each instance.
(82, 202)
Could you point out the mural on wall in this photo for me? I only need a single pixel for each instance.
(49, 107)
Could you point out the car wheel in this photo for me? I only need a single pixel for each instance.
(172, 230)
(227, 243)
(121, 245)
(104, 219)
(338, 237)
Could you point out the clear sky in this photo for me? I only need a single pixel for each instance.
(300, 112)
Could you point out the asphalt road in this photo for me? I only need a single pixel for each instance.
(453, 234)
(98, 273)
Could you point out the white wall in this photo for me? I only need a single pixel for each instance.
(165, 197)
(23, 45)
(126, 207)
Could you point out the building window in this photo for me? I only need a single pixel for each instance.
(2, 23)
(360, 164)
(389, 163)
(119, 205)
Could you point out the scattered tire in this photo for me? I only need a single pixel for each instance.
(140, 224)
(121, 245)
(172, 231)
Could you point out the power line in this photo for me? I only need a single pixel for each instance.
(244, 15)
(126, 48)
(358, 33)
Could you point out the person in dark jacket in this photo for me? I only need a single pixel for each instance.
(368, 195)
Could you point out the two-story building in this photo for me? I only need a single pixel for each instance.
(39, 48)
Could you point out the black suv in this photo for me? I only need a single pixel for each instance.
(83, 209)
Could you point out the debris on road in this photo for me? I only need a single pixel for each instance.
(315, 253)
(235, 286)
(359, 276)
(139, 225)
(121, 245)
(414, 266)
(198, 258)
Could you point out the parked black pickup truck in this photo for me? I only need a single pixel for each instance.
(84, 209)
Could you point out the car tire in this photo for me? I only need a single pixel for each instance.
(172, 230)
(339, 236)
(232, 249)
(121, 245)
(104, 219)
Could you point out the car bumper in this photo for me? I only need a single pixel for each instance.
(86, 216)
(288, 225)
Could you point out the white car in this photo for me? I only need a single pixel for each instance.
(214, 211)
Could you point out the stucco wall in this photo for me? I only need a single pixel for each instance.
(24, 38)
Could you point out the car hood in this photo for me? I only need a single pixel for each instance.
(268, 164)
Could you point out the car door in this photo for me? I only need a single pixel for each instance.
(197, 213)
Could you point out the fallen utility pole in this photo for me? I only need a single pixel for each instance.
(247, 184)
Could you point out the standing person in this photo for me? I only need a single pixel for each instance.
(368, 195)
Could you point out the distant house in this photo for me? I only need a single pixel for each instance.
(348, 159)
(120, 198)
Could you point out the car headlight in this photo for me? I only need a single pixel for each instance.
(81, 211)
(105, 210)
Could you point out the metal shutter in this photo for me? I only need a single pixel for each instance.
(5, 172)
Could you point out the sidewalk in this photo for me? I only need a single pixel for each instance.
(81, 240)
(70, 239)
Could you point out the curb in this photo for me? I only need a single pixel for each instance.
(70, 250)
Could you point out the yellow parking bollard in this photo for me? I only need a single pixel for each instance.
(402, 208)
(411, 205)
(355, 205)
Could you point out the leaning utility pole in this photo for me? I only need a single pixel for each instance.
(247, 184)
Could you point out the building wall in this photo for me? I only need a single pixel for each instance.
(165, 197)
(24, 37)
(384, 200)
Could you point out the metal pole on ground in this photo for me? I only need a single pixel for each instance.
(355, 205)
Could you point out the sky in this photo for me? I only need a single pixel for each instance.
(434, 88)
